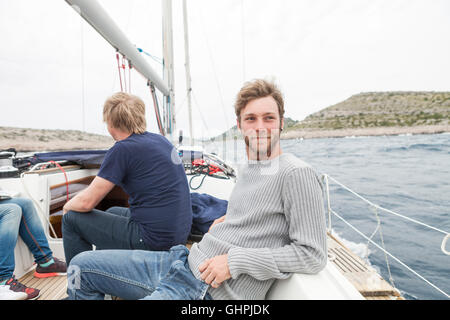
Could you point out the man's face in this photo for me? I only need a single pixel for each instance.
(260, 125)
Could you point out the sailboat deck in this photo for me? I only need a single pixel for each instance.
(53, 288)
(365, 279)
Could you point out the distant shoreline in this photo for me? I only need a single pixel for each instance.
(91, 142)
(359, 132)
(376, 131)
(38, 140)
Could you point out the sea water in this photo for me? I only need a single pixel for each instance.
(408, 174)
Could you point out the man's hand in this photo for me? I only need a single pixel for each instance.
(214, 271)
(219, 220)
(90, 197)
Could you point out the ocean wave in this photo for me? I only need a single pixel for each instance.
(418, 146)
(360, 249)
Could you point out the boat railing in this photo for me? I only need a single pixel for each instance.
(376, 208)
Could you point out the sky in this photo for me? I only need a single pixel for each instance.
(56, 71)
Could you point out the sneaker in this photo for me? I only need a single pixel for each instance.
(58, 268)
(14, 290)
(7, 294)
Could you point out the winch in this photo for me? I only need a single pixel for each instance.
(7, 170)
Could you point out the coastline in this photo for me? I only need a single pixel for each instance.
(376, 131)
(36, 140)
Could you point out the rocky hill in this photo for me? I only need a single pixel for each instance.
(378, 113)
(24, 139)
(382, 109)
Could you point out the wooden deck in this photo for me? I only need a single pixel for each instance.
(365, 279)
(51, 288)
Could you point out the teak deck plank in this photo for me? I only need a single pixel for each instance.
(53, 288)
(365, 279)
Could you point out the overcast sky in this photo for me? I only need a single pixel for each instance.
(320, 52)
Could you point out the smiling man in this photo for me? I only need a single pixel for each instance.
(261, 121)
(274, 226)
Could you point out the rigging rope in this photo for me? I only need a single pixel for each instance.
(155, 104)
(369, 239)
(65, 177)
(387, 210)
(386, 252)
(219, 88)
(120, 75)
(157, 59)
(391, 279)
(201, 116)
(124, 73)
(129, 76)
(37, 205)
(83, 85)
(243, 41)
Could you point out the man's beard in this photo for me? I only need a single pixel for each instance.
(262, 143)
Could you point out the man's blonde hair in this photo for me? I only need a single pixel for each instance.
(256, 89)
(125, 112)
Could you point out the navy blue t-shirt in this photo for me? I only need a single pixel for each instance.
(159, 196)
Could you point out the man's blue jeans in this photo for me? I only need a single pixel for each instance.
(112, 229)
(19, 217)
(134, 274)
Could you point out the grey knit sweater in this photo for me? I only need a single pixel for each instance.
(274, 226)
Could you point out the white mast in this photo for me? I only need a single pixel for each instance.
(188, 69)
(169, 102)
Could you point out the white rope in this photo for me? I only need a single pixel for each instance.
(205, 125)
(378, 228)
(394, 213)
(37, 204)
(244, 76)
(366, 255)
(391, 279)
(328, 202)
(386, 252)
(213, 66)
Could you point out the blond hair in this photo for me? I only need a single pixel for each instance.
(258, 88)
(125, 112)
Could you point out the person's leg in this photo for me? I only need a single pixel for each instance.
(32, 232)
(179, 283)
(99, 228)
(134, 274)
(10, 215)
(128, 274)
(119, 211)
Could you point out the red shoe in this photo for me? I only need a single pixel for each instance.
(16, 286)
(58, 268)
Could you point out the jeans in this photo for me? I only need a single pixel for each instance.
(19, 217)
(134, 274)
(112, 229)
